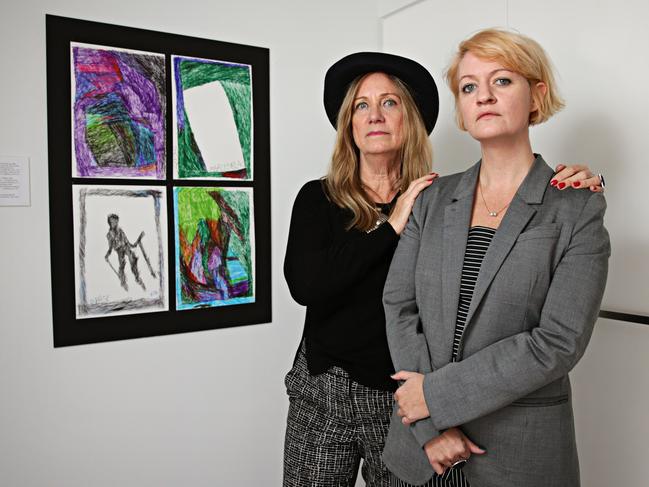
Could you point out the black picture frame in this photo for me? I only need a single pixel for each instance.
(67, 329)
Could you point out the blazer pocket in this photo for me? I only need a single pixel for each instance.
(550, 230)
(536, 402)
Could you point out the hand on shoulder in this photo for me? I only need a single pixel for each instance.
(405, 202)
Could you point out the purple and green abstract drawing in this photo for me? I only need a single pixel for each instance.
(118, 113)
(214, 247)
(212, 112)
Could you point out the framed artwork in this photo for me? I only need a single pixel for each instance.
(214, 139)
(118, 273)
(159, 179)
(215, 247)
(118, 112)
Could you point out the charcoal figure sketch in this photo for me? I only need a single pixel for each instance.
(116, 274)
(118, 241)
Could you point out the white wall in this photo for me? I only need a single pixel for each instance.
(204, 408)
(599, 50)
(208, 408)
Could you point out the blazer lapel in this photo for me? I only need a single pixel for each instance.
(457, 217)
(520, 212)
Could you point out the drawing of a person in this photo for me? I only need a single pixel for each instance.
(118, 242)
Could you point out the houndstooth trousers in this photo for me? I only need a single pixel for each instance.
(334, 422)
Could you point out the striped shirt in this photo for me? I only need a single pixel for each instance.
(477, 245)
(452, 477)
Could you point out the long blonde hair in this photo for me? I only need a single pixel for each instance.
(343, 182)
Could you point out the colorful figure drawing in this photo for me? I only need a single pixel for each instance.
(212, 103)
(214, 247)
(119, 105)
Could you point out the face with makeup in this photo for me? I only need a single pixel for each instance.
(377, 118)
(495, 102)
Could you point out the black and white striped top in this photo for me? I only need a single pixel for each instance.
(476, 247)
(453, 477)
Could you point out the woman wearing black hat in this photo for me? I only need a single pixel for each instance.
(344, 230)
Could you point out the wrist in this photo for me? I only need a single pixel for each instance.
(395, 226)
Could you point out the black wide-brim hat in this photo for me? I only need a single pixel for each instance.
(421, 84)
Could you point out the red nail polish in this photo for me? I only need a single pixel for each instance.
(553, 182)
(576, 184)
(562, 185)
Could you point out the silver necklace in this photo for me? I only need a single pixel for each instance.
(381, 218)
(491, 213)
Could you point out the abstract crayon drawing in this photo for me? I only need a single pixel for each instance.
(118, 113)
(212, 113)
(121, 247)
(214, 247)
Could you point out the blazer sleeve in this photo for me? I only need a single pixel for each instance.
(518, 365)
(407, 343)
(320, 266)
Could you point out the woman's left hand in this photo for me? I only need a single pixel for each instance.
(448, 448)
(410, 397)
(578, 176)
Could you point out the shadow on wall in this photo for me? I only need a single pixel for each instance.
(623, 272)
(600, 144)
(592, 139)
(453, 150)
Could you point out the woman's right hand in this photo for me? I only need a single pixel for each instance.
(448, 448)
(403, 207)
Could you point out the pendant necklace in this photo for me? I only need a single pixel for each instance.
(381, 217)
(491, 213)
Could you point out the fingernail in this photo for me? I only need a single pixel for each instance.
(553, 182)
(576, 184)
(562, 185)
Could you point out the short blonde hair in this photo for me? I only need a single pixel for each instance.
(517, 53)
(343, 182)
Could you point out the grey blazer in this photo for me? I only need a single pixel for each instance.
(534, 306)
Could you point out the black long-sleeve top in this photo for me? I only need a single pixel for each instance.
(339, 275)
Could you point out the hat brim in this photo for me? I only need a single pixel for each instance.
(421, 84)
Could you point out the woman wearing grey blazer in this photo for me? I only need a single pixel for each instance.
(493, 291)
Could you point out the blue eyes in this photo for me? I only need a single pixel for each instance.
(387, 103)
(470, 87)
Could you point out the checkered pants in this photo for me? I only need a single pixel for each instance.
(332, 423)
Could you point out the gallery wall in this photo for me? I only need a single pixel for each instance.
(208, 408)
(204, 408)
(599, 54)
